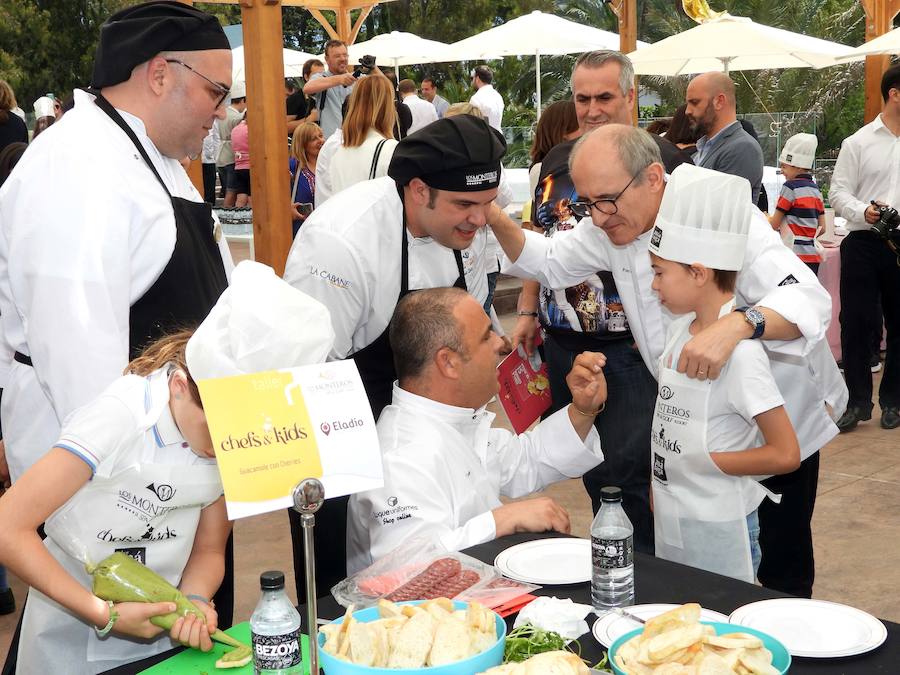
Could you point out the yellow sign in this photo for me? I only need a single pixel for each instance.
(271, 430)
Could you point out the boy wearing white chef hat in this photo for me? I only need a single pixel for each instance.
(704, 440)
(800, 207)
(135, 471)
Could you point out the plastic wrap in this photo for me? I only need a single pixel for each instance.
(421, 569)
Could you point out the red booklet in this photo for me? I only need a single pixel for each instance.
(524, 388)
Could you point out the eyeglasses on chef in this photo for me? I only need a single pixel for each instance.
(221, 88)
(582, 208)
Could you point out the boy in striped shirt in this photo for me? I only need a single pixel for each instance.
(800, 205)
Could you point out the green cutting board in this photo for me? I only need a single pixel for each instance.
(195, 662)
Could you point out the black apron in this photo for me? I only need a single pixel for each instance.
(376, 368)
(194, 278)
(182, 296)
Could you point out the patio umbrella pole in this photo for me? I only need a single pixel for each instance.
(537, 79)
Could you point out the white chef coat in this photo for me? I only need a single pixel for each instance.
(324, 188)
(347, 256)
(146, 495)
(772, 276)
(85, 231)
(349, 166)
(867, 168)
(445, 469)
(489, 101)
(423, 113)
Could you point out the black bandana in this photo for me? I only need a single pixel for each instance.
(460, 153)
(136, 34)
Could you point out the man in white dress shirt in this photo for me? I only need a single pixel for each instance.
(423, 113)
(444, 466)
(486, 98)
(867, 174)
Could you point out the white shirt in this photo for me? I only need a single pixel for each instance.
(772, 276)
(349, 166)
(347, 256)
(85, 231)
(324, 188)
(146, 496)
(210, 146)
(423, 112)
(867, 168)
(489, 101)
(445, 469)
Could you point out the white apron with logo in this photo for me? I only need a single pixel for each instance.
(149, 510)
(699, 512)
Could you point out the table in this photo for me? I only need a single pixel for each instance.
(830, 278)
(656, 580)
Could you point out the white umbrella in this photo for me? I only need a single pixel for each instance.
(889, 43)
(536, 33)
(293, 63)
(734, 43)
(396, 49)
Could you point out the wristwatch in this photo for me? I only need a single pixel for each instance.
(756, 319)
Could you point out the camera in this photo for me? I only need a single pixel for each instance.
(886, 225)
(366, 66)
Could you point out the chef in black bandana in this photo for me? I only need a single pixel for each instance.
(104, 242)
(421, 226)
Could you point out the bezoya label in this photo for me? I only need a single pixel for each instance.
(610, 554)
(277, 652)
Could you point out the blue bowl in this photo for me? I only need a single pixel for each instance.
(489, 658)
(781, 658)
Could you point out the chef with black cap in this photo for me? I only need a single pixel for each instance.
(421, 226)
(104, 242)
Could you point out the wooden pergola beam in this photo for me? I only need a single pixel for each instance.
(626, 11)
(879, 20)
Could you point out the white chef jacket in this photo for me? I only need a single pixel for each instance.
(85, 231)
(445, 469)
(324, 188)
(147, 484)
(349, 166)
(347, 256)
(867, 168)
(423, 113)
(772, 276)
(489, 101)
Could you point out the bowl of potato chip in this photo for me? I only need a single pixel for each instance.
(439, 637)
(678, 643)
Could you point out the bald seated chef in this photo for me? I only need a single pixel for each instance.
(444, 466)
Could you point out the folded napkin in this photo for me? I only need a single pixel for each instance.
(560, 616)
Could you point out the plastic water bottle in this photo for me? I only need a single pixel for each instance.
(612, 553)
(275, 630)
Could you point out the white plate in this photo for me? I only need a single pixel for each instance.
(610, 627)
(814, 628)
(547, 561)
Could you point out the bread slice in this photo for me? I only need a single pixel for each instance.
(413, 642)
(452, 642)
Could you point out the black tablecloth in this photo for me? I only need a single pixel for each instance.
(655, 581)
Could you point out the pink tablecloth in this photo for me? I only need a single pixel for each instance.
(830, 278)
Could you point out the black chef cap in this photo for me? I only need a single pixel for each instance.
(136, 34)
(460, 153)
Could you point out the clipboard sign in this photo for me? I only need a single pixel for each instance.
(272, 429)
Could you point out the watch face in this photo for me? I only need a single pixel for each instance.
(754, 316)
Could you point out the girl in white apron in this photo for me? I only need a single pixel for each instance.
(135, 471)
(705, 441)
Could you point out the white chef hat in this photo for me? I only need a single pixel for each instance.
(44, 107)
(259, 323)
(800, 151)
(238, 90)
(704, 218)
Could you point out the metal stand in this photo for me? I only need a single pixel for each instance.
(309, 494)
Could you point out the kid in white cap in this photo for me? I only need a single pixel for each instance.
(704, 441)
(800, 206)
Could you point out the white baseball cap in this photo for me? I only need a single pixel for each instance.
(44, 107)
(238, 90)
(704, 218)
(800, 151)
(259, 323)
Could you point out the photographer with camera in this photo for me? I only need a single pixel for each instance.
(331, 87)
(866, 180)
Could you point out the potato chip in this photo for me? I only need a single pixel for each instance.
(735, 641)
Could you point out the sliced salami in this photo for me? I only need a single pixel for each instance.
(450, 588)
(417, 587)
